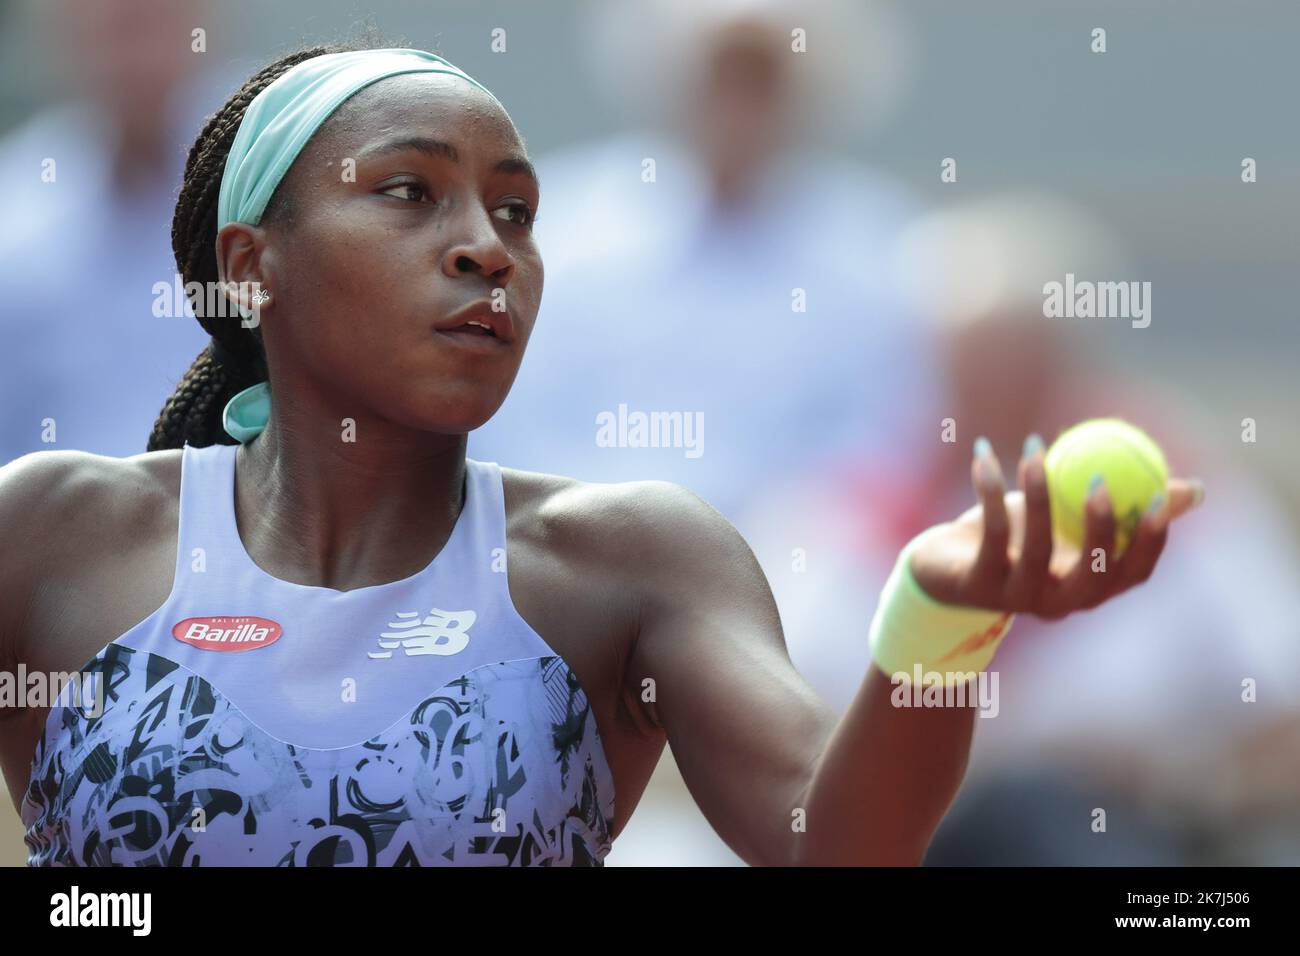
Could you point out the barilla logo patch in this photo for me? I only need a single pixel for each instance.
(227, 633)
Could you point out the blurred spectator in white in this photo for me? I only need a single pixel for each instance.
(722, 261)
(1136, 707)
(80, 254)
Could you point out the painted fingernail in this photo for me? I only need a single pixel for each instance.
(983, 447)
(1097, 488)
(1156, 503)
(1033, 445)
(1198, 491)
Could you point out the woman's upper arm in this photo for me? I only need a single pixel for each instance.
(36, 493)
(744, 726)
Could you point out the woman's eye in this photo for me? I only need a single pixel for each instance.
(524, 212)
(517, 212)
(412, 191)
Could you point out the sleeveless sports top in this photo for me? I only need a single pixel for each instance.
(250, 721)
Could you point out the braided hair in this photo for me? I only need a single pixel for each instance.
(235, 359)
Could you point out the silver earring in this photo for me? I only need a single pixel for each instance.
(260, 296)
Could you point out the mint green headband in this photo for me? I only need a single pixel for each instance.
(276, 126)
(280, 120)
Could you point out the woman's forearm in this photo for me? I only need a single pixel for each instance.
(884, 781)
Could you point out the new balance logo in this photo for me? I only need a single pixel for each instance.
(438, 632)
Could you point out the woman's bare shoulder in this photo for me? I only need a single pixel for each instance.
(65, 479)
(51, 499)
(619, 521)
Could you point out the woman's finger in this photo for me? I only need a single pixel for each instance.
(1090, 581)
(1140, 559)
(1184, 495)
(1031, 570)
(986, 474)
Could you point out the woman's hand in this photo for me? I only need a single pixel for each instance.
(1000, 554)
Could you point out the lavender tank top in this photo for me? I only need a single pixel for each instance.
(250, 721)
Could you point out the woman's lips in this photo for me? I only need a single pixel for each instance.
(472, 338)
(481, 312)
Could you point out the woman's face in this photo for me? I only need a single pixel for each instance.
(410, 207)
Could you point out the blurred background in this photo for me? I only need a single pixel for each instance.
(822, 228)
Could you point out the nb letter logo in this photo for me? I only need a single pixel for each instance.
(438, 632)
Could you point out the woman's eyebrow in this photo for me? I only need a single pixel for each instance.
(442, 150)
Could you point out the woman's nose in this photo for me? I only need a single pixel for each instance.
(479, 249)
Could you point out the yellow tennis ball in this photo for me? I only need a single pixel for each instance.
(1132, 465)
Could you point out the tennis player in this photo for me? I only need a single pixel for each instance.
(319, 634)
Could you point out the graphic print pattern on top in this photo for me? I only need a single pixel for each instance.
(250, 721)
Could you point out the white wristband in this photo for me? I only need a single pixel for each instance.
(913, 636)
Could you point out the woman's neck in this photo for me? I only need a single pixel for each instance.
(323, 510)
